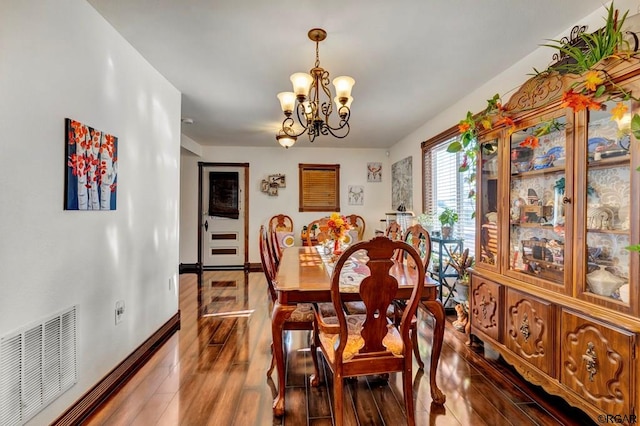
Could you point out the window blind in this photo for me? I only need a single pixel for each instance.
(319, 187)
(445, 187)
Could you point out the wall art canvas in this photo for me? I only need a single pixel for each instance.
(374, 172)
(91, 168)
(402, 184)
(356, 195)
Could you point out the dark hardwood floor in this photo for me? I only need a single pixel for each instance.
(212, 372)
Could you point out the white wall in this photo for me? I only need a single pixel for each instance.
(59, 59)
(272, 160)
(505, 84)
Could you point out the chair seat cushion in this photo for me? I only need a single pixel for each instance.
(330, 340)
(358, 308)
(303, 313)
(326, 309)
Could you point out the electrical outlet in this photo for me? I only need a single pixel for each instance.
(119, 311)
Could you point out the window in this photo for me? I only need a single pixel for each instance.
(443, 186)
(319, 187)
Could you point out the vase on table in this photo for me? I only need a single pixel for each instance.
(337, 250)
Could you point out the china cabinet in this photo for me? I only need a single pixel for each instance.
(555, 289)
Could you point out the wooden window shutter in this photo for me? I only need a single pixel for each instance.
(319, 187)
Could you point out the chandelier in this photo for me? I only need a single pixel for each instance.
(312, 113)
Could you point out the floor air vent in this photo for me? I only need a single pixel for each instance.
(37, 364)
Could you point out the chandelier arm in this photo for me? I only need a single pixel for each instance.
(287, 128)
(312, 136)
(344, 121)
(328, 129)
(326, 111)
(301, 114)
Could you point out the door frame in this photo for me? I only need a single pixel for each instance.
(201, 166)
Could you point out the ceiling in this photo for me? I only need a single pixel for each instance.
(410, 59)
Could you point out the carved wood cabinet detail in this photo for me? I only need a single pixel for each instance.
(485, 314)
(597, 362)
(529, 330)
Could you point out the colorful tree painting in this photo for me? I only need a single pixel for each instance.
(92, 168)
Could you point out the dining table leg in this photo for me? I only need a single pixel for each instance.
(278, 318)
(437, 310)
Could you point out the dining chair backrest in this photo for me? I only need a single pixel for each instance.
(357, 223)
(317, 228)
(281, 222)
(377, 290)
(419, 239)
(268, 266)
(393, 231)
(278, 226)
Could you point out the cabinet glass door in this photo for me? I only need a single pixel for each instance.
(607, 216)
(538, 215)
(488, 204)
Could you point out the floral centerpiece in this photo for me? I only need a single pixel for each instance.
(337, 227)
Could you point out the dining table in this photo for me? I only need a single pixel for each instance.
(304, 276)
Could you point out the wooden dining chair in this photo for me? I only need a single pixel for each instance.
(420, 240)
(280, 227)
(393, 231)
(302, 318)
(357, 223)
(370, 344)
(320, 232)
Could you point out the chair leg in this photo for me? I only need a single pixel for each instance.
(414, 343)
(408, 393)
(314, 380)
(338, 404)
(273, 362)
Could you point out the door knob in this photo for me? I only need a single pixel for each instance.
(206, 225)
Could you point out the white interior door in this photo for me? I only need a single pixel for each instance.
(223, 216)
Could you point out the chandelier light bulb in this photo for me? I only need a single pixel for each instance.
(308, 110)
(347, 103)
(343, 85)
(301, 84)
(342, 109)
(284, 139)
(287, 102)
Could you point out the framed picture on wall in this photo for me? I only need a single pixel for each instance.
(279, 180)
(356, 195)
(402, 184)
(374, 172)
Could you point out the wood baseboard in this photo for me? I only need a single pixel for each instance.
(117, 377)
(190, 268)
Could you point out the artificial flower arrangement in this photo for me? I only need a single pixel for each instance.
(337, 226)
(592, 87)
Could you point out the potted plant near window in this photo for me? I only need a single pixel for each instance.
(427, 220)
(461, 263)
(447, 218)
